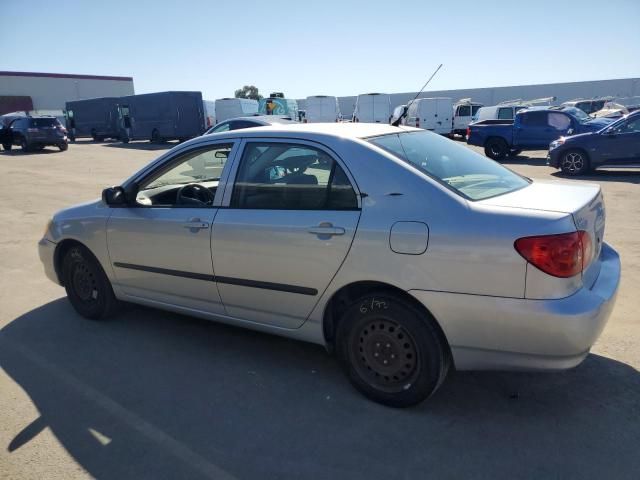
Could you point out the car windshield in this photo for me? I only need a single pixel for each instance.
(465, 172)
(576, 112)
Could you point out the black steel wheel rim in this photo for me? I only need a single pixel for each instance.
(85, 284)
(385, 355)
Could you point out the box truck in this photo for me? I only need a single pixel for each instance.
(322, 108)
(161, 116)
(373, 108)
(95, 118)
(431, 114)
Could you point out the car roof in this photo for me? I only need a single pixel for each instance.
(267, 119)
(338, 129)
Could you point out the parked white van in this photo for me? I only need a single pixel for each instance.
(373, 108)
(322, 108)
(431, 114)
(226, 108)
(463, 112)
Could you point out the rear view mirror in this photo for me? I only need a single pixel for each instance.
(222, 154)
(113, 196)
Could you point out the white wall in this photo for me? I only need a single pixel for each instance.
(51, 93)
(626, 87)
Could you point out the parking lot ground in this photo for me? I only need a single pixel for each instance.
(151, 394)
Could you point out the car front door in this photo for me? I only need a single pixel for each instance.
(531, 130)
(160, 244)
(288, 221)
(622, 143)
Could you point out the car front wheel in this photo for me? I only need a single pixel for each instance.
(392, 352)
(24, 145)
(86, 284)
(574, 162)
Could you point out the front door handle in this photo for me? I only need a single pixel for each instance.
(326, 229)
(195, 224)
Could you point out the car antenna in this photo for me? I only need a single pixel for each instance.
(404, 113)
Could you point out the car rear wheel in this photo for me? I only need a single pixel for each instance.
(392, 353)
(24, 145)
(86, 284)
(574, 162)
(496, 149)
(7, 146)
(63, 146)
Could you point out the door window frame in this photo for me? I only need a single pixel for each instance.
(233, 169)
(164, 164)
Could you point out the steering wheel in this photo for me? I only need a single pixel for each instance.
(194, 194)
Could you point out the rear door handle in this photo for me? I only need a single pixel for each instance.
(195, 224)
(327, 229)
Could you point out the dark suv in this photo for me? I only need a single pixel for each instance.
(35, 133)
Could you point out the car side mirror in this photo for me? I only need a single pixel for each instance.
(114, 196)
(570, 131)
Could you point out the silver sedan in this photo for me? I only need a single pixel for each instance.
(403, 252)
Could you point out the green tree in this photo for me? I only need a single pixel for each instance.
(248, 91)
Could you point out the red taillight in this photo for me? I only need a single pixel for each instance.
(563, 255)
(468, 132)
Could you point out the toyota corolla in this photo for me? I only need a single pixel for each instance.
(401, 251)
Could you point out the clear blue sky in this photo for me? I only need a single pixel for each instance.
(324, 47)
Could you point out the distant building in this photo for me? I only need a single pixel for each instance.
(620, 88)
(48, 92)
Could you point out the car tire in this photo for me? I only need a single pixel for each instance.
(24, 145)
(392, 352)
(86, 284)
(574, 162)
(496, 149)
(155, 136)
(63, 146)
(7, 147)
(125, 139)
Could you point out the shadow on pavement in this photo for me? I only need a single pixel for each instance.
(623, 176)
(152, 394)
(144, 145)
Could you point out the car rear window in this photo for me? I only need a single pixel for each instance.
(460, 169)
(44, 122)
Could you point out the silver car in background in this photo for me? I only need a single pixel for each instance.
(400, 250)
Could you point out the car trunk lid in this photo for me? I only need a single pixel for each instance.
(583, 201)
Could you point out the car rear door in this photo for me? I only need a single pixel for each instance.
(287, 223)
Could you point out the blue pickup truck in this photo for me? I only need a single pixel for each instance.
(533, 128)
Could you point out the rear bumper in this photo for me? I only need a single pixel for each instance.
(495, 333)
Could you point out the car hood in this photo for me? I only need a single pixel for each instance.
(549, 196)
(597, 124)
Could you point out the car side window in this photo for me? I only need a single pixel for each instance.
(559, 121)
(475, 109)
(505, 113)
(464, 111)
(285, 176)
(534, 119)
(630, 126)
(202, 166)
